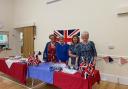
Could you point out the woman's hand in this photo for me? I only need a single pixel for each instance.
(94, 62)
(71, 55)
(59, 61)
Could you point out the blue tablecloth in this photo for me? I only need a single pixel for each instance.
(41, 72)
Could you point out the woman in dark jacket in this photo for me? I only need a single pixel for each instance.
(49, 54)
(73, 50)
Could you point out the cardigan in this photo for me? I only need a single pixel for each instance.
(62, 52)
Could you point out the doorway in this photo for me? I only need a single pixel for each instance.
(27, 37)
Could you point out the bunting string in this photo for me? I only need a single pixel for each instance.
(109, 59)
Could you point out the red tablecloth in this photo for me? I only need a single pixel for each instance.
(69, 81)
(18, 70)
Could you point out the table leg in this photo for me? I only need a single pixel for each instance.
(32, 82)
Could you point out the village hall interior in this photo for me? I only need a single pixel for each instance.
(63, 44)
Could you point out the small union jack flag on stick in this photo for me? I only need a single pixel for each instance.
(87, 69)
(33, 59)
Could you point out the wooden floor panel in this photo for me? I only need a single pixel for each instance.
(6, 83)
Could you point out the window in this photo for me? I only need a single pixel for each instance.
(4, 40)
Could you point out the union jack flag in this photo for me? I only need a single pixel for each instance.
(67, 34)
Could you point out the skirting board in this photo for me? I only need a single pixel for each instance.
(114, 79)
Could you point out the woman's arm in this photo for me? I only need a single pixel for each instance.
(67, 49)
(94, 52)
(70, 54)
(57, 52)
(94, 49)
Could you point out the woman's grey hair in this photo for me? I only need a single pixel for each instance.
(85, 33)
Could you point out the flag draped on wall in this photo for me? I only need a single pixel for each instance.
(67, 34)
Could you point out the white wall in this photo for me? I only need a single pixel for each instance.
(96, 16)
(6, 18)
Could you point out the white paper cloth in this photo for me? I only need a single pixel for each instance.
(9, 62)
(69, 71)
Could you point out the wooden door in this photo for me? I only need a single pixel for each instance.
(28, 41)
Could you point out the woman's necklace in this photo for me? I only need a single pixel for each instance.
(85, 43)
(52, 44)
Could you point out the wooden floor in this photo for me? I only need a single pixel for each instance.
(6, 83)
(109, 85)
